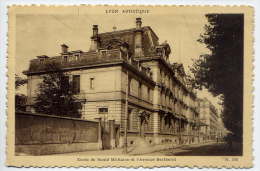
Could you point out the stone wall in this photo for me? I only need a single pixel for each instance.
(38, 134)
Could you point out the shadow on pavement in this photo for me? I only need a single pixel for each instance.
(217, 149)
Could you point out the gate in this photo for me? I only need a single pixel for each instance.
(110, 133)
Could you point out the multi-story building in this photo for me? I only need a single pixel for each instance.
(209, 119)
(221, 132)
(126, 79)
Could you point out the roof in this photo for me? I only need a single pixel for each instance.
(131, 30)
(149, 38)
(86, 59)
(110, 41)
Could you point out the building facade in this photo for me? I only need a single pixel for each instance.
(210, 118)
(127, 82)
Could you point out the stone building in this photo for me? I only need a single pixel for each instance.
(127, 81)
(209, 117)
(222, 131)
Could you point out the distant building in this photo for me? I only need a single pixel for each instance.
(209, 118)
(222, 131)
(162, 107)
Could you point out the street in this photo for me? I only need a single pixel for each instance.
(212, 149)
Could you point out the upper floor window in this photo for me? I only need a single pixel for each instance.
(162, 77)
(76, 84)
(129, 85)
(91, 83)
(166, 79)
(148, 94)
(140, 90)
(161, 98)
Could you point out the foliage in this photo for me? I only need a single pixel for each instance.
(221, 71)
(19, 81)
(20, 99)
(55, 96)
(20, 102)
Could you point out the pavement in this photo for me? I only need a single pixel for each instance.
(208, 149)
(141, 148)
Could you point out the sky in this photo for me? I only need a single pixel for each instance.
(43, 34)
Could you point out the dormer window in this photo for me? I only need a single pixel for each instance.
(41, 60)
(76, 56)
(65, 58)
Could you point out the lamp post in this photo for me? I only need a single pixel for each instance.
(126, 114)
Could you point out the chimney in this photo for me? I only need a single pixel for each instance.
(64, 48)
(138, 23)
(95, 30)
(94, 39)
(138, 38)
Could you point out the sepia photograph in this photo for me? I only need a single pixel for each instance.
(146, 82)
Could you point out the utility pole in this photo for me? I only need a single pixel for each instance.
(179, 130)
(126, 113)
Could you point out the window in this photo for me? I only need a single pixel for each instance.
(161, 97)
(162, 77)
(103, 110)
(91, 83)
(161, 123)
(129, 85)
(147, 124)
(76, 57)
(140, 90)
(148, 93)
(41, 60)
(76, 84)
(165, 79)
(65, 58)
(165, 99)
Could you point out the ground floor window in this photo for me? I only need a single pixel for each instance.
(103, 110)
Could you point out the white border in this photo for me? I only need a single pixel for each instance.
(3, 69)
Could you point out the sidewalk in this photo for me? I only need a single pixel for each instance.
(161, 147)
(141, 149)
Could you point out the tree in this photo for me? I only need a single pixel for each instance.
(19, 81)
(221, 71)
(55, 95)
(20, 99)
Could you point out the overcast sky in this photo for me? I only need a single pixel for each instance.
(43, 34)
